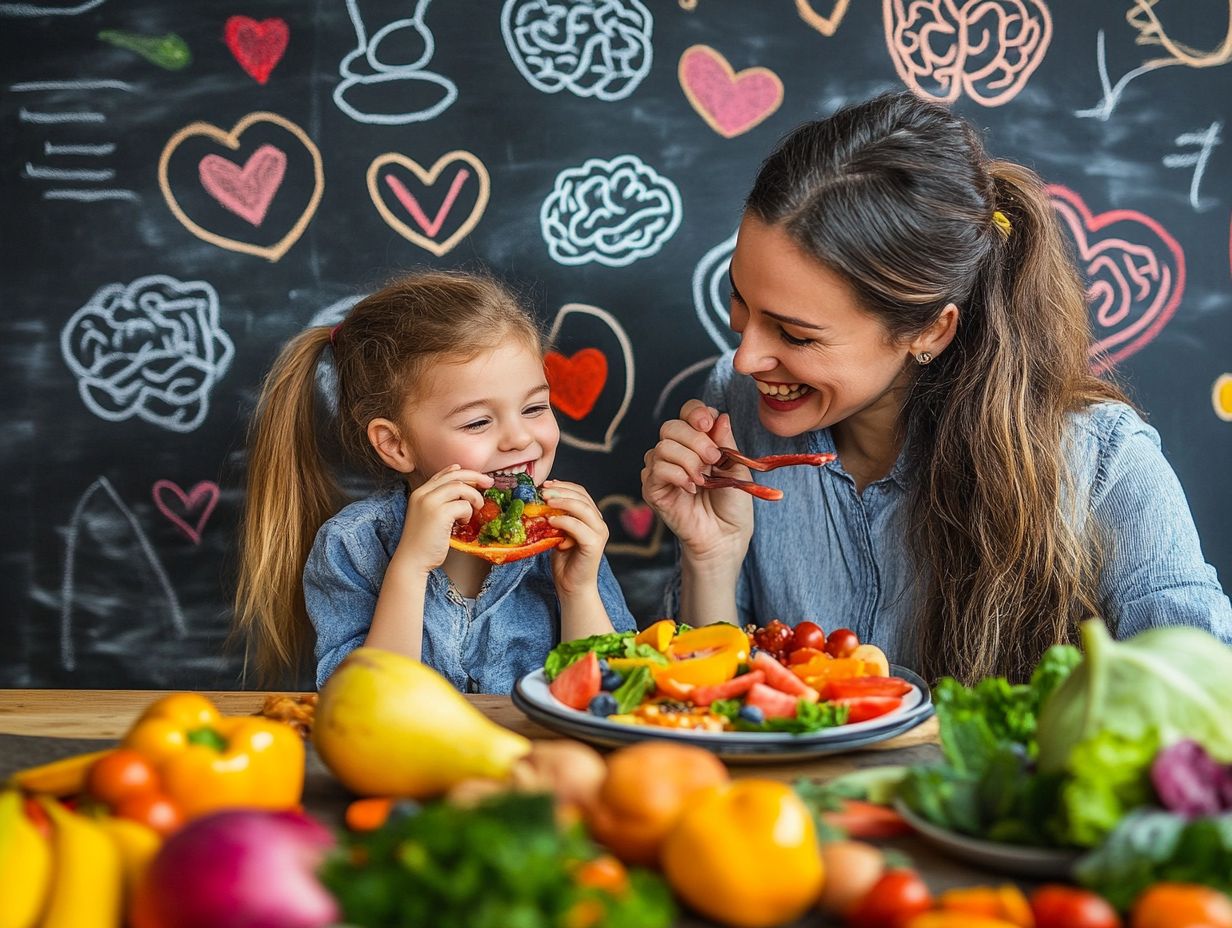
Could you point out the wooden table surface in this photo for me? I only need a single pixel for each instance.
(107, 714)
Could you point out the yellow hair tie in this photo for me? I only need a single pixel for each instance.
(1002, 222)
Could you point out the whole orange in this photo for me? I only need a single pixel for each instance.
(644, 792)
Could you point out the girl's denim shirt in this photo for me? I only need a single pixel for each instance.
(484, 647)
(840, 558)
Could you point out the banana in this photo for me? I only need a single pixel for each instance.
(137, 844)
(88, 882)
(25, 864)
(62, 777)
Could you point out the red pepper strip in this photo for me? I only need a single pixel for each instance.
(773, 461)
(761, 491)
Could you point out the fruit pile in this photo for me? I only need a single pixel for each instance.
(723, 678)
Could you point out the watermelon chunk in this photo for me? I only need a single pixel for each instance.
(578, 683)
(773, 703)
(736, 686)
(781, 678)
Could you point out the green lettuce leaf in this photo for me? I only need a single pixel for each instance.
(1107, 776)
(612, 644)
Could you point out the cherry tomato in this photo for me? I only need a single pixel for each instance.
(119, 775)
(808, 635)
(1056, 906)
(842, 642)
(893, 901)
(153, 810)
(1181, 905)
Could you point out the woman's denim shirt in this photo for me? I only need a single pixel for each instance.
(516, 618)
(838, 557)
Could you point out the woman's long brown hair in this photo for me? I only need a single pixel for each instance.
(380, 351)
(898, 195)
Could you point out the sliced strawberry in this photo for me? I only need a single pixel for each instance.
(781, 678)
(773, 703)
(736, 686)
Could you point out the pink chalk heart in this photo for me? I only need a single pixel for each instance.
(730, 103)
(181, 509)
(637, 520)
(1135, 274)
(248, 190)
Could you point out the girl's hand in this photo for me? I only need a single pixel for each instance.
(712, 525)
(431, 511)
(575, 561)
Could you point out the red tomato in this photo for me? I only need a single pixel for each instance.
(863, 708)
(842, 642)
(894, 900)
(808, 635)
(123, 773)
(1056, 906)
(153, 810)
(851, 687)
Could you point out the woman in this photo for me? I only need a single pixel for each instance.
(911, 305)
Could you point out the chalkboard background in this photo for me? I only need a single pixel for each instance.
(168, 223)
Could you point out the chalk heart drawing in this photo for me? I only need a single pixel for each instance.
(986, 49)
(458, 168)
(1135, 271)
(231, 140)
(575, 368)
(257, 46)
(712, 294)
(730, 103)
(576, 382)
(186, 511)
(638, 521)
(246, 191)
(826, 25)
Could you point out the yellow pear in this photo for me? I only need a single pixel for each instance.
(387, 725)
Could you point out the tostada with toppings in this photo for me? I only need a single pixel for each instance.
(512, 524)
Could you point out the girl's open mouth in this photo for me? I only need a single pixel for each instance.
(507, 478)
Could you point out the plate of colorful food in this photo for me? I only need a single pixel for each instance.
(774, 693)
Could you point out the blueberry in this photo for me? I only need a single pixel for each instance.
(751, 714)
(603, 665)
(610, 680)
(603, 705)
(525, 492)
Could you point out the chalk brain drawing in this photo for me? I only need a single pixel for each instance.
(986, 49)
(152, 348)
(613, 212)
(592, 48)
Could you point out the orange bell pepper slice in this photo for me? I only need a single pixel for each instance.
(708, 638)
(658, 636)
(208, 761)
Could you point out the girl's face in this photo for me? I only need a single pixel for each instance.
(817, 357)
(489, 414)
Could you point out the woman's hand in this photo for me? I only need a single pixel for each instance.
(431, 511)
(713, 524)
(575, 561)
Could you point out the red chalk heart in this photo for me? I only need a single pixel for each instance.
(257, 46)
(577, 382)
(180, 507)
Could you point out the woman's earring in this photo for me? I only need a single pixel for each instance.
(924, 357)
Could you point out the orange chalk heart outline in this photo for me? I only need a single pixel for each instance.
(428, 178)
(232, 141)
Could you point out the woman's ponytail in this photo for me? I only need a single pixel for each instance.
(290, 494)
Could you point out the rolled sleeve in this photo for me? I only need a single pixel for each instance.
(614, 600)
(1154, 572)
(340, 595)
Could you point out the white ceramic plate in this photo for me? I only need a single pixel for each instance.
(531, 695)
(1013, 859)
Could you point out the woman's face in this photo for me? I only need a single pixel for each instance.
(817, 357)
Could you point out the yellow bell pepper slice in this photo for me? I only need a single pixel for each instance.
(709, 637)
(659, 635)
(708, 669)
(208, 761)
(626, 665)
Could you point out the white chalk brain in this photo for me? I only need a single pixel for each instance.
(593, 48)
(613, 212)
(152, 348)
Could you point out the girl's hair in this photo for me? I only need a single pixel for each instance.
(898, 196)
(387, 342)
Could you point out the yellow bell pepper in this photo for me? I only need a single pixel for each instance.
(745, 854)
(705, 656)
(626, 665)
(208, 761)
(709, 637)
(659, 635)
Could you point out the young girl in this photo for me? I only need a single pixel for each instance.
(440, 383)
(910, 304)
